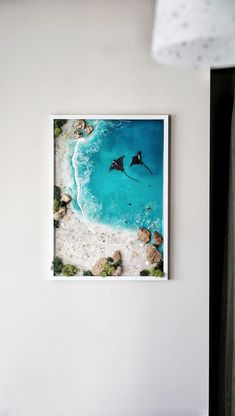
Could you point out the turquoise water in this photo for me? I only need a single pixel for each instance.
(111, 197)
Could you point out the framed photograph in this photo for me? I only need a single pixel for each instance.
(110, 197)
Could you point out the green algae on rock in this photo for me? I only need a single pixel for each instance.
(57, 265)
(69, 270)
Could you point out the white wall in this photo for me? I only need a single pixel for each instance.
(97, 349)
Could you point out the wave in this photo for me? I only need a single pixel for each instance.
(82, 164)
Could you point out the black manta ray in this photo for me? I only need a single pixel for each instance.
(118, 165)
(137, 160)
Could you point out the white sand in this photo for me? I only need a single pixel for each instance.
(83, 244)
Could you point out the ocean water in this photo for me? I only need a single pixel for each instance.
(112, 198)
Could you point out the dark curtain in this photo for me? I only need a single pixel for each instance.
(222, 220)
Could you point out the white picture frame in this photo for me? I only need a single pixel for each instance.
(166, 121)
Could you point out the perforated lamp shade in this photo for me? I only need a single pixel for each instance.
(198, 33)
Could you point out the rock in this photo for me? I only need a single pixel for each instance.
(77, 135)
(88, 129)
(118, 271)
(58, 215)
(144, 235)
(79, 124)
(152, 254)
(117, 256)
(62, 211)
(157, 238)
(98, 267)
(65, 198)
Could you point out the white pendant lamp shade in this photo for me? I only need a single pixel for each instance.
(199, 33)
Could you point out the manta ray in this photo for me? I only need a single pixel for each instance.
(117, 164)
(137, 160)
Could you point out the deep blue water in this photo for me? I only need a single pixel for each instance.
(110, 197)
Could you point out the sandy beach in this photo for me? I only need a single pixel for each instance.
(83, 244)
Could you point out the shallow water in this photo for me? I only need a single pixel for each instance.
(111, 197)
